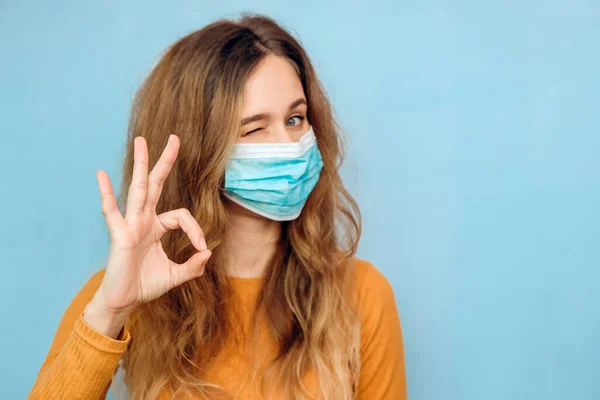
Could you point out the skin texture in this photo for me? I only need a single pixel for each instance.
(138, 270)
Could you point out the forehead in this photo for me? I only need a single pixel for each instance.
(272, 86)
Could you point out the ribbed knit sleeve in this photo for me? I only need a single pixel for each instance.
(81, 361)
(84, 367)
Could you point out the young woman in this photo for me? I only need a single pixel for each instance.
(258, 295)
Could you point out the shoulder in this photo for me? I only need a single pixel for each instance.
(86, 292)
(376, 301)
(372, 285)
(89, 288)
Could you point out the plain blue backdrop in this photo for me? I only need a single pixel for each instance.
(474, 154)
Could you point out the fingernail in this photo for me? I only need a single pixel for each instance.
(203, 244)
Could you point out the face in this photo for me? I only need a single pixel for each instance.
(274, 105)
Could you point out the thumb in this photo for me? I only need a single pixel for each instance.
(192, 268)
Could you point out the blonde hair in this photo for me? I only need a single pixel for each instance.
(308, 295)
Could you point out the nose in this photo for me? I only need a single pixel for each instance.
(283, 135)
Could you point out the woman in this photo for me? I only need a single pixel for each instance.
(258, 295)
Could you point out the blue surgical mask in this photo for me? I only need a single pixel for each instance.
(274, 179)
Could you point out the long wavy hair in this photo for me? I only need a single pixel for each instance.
(308, 299)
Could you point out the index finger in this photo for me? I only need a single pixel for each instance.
(161, 170)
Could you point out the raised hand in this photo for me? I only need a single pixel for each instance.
(138, 270)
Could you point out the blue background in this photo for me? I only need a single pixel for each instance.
(474, 154)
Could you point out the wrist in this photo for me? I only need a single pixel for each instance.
(103, 319)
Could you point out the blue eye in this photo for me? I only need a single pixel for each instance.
(297, 116)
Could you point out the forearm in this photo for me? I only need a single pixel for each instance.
(84, 367)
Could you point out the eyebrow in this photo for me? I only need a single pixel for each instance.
(258, 117)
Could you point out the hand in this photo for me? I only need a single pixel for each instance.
(138, 270)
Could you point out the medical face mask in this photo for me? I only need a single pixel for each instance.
(274, 179)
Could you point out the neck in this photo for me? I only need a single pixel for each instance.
(251, 242)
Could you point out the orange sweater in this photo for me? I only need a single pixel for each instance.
(81, 362)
